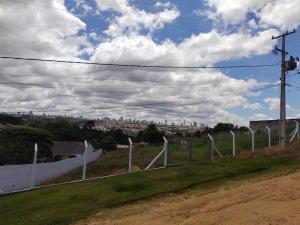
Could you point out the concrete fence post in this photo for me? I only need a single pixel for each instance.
(252, 138)
(32, 182)
(166, 152)
(298, 131)
(84, 160)
(295, 133)
(269, 136)
(130, 155)
(211, 144)
(163, 151)
(233, 144)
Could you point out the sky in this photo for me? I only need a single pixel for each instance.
(184, 33)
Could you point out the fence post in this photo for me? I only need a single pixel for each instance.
(297, 126)
(163, 151)
(211, 144)
(32, 182)
(233, 144)
(166, 152)
(190, 151)
(84, 160)
(252, 138)
(269, 135)
(130, 155)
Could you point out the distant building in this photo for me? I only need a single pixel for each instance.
(64, 150)
(273, 124)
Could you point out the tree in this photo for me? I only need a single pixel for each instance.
(197, 134)
(151, 135)
(108, 143)
(89, 125)
(221, 127)
(17, 144)
(62, 130)
(10, 119)
(119, 136)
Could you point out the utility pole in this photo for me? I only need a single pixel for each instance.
(282, 126)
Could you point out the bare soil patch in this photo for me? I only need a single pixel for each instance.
(274, 201)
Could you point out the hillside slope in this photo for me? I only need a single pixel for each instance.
(274, 201)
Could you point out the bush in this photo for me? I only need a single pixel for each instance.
(17, 144)
(62, 130)
(119, 136)
(9, 119)
(108, 144)
(151, 135)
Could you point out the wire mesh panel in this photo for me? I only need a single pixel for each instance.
(143, 154)
(179, 151)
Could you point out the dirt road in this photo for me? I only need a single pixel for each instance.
(270, 202)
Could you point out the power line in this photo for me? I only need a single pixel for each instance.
(123, 86)
(37, 5)
(296, 87)
(266, 87)
(25, 84)
(293, 75)
(137, 65)
(142, 105)
(160, 82)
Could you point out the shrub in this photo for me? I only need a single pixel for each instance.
(108, 143)
(17, 144)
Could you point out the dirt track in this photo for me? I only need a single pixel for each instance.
(271, 202)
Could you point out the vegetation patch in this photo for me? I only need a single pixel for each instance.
(65, 204)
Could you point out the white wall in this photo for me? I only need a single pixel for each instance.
(18, 177)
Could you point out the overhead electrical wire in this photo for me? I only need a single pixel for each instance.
(143, 105)
(26, 84)
(296, 87)
(292, 75)
(137, 65)
(37, 5)
(137, 81)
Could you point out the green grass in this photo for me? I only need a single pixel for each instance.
(65, 204)
(116, 162)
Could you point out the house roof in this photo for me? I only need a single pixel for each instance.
(68, 148)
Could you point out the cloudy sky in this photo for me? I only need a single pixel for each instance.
(168, 33)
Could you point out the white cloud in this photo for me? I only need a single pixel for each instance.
(203, 49)
(131, 20)
(84, 5)
(163, 5)
(234, 11)
(260, 116)
(41, 31)
(274, 103)
(280, 13)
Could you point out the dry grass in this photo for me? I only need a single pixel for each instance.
(291, 152)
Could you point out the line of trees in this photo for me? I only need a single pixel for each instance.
(17, 141)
